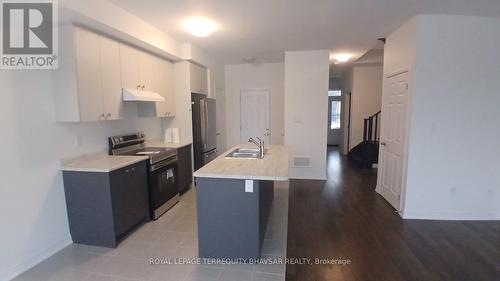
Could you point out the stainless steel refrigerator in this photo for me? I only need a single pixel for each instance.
(204, 131)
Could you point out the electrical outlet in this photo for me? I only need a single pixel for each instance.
(248, 185)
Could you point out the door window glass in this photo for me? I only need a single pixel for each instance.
(335, 115)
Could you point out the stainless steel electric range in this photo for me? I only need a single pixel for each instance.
(162, 166)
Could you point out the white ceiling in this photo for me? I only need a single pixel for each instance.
(264, 29)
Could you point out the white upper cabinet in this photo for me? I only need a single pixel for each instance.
(111, 78)
(87, 85)
(136, 69)
(146, 72)
(93, 70)
(88, 69)
(198, 79)
(160, 81)
(129, 65)
(164, 85)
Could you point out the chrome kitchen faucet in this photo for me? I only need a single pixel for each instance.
(260, 144)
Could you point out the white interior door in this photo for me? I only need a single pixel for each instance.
(255, 112)
(393, 139)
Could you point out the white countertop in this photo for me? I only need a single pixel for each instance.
(273, 167)
(99, 162)
(160, 143)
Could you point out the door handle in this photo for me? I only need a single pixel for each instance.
(209, 154)
(206, 120)
(383, 143)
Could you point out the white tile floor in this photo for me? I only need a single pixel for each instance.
(174, 235)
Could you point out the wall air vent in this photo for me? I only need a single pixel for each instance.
(302, 161)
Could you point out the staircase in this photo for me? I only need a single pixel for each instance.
(365, 154)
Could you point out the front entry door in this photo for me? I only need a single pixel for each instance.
(255, 115)
(393, 139)
(335, 129)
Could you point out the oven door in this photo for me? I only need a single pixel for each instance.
(163, 187)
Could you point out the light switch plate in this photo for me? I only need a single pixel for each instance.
(248, 185)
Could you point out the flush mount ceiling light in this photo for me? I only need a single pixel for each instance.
(341, 58)
(199, 26)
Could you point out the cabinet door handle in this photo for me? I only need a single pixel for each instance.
(143, 87)
(101, 116)
(138, 87)
(127, 171)
(108, 116)
(133, 169)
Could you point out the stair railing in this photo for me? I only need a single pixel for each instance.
(370, 128)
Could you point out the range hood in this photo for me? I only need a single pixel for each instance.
(140, 95)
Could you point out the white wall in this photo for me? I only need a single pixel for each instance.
(306, 95)
(32, 204)
(240, 77)
(365, 98)
(454, 139)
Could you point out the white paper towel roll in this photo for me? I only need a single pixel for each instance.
(176, 137)
(168, 135)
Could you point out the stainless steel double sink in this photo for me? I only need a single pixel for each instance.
(245, 153)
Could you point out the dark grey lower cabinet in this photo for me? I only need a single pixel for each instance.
(231, 221)
(185, 168)
(105, 207)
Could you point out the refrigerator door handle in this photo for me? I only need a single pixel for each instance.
(203, 124)
(206, 123)
(210, 153)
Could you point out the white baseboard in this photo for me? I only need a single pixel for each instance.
(35, 259)
(469, 216)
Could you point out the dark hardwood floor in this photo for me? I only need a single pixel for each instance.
(344, 218)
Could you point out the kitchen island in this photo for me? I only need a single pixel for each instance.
(234, 198)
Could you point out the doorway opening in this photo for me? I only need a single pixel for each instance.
(335, 116)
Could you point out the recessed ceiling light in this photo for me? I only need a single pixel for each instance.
(341, 58)
(199, 26)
